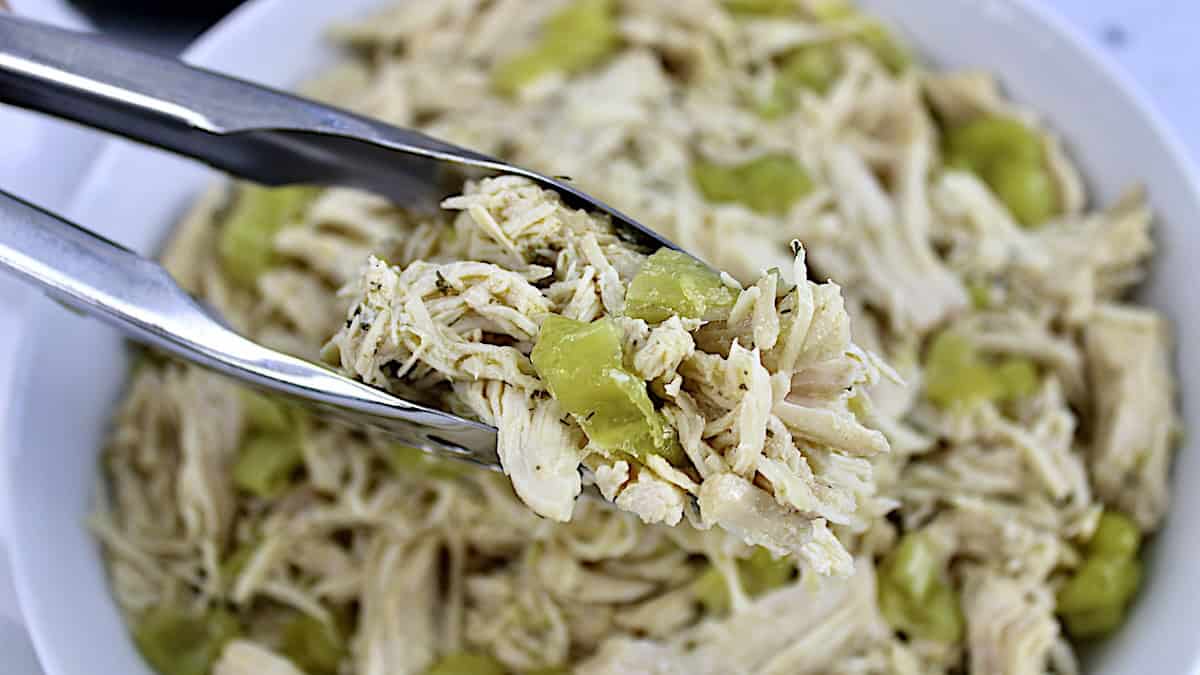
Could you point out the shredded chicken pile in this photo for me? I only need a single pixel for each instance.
(1037, 399)
(758, 396)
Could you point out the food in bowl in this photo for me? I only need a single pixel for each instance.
(547, 325)
(1029, 446)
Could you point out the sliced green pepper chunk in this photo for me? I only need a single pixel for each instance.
(673, 283)
(575, 39)
(980, 294)
(814, 67)
(314, 647)
(1095, 623)
(913, 594)
(1116, 535)
(1016, 378)
(913, 566)
(1099, 583)
(407, 460)
(264, 413)
(174, 642)
(870, 32)
(718, 183)
(247, 237)
(711, 591)
(981, 140)
(762, 572)
(265, 463)
(761, 7)
(1094, 600)
(582, 366)
(1008, 156)
(768, 184)
(1026, 189)
(758, 574)
(467, 663)
(937, 616)
(957, 375)
(880, 41)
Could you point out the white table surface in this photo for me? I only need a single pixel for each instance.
(1155, 40)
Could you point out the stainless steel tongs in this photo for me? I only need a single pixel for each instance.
(253, 132)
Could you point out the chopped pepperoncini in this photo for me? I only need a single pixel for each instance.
(914, 595)
(174, 642)
(673, 283)
(957, 375)
(581, 364)
(768, 184)
(576, 38)
(248, 235)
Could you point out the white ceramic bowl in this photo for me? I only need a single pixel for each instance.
(73, 369)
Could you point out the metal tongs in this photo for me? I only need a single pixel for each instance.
(253, 132)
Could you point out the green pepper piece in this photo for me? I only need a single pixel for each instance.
(1015, 378)
(1094, 600)
(174, 642)
(314, 647)
(466, 663)
(247, 237)
(871, 33)
(575, 39)
(672, 283)
(980, 294)
(773, 183)
(760, 7)
(758, 574)
(777, 103)
(912, 565)
(1099, 583)
(768, 184)
(711, 591)
(814, 67)
(1095, 623)
(581, 364)
(1116, 535)
(264, 413)
(1026, 189)
(880, 41)
(955, 374)
(941, 618)
(983, 139)
(716, 182)
(265, 463)
(936, 617)
(912, 594)
(408, 461)
(1008, 156)
(763, 572)
(511, 76)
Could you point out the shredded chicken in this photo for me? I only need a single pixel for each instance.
(447, 317)
(1024, 396)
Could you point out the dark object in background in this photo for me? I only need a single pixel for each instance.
(157, 25)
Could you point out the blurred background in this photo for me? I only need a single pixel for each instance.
(42, 160)
(1153, 39)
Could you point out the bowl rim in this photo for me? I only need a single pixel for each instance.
(247, 17)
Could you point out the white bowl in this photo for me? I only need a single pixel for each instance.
(73, 369)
